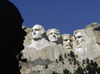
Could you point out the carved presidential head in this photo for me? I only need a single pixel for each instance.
(53, 35)
(67, 41)
(37, 31)
(79, 37)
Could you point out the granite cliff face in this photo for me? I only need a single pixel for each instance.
(44, 48)
(96, 29)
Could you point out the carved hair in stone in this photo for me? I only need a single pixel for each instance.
(67, 41)
(79, 37)
(53, 35)
(38, 37)
(37, 31)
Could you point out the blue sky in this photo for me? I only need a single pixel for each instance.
(64, 15)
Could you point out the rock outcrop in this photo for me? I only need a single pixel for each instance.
(96, 29)
(44, 48)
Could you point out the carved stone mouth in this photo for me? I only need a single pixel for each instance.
(53, 38)
(68, 45)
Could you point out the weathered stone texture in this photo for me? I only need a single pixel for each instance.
(96, 29)
(87, 45)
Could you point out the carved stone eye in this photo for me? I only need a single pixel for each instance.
(37, 29)
(56, 33)
(70, 40)
(79, 36)
(66, 40)
(50, 33)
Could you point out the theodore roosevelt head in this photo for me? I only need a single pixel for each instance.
(67, 41)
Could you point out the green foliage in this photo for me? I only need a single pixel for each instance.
(83, 61)
(46, 66)
(72, 54)
(69, 59)
(95, 63)
(87, 60)
(38, 71)
(74, 59)
(74, 62)
(80, 70)
(56, 61)
(54, 72)
(92, 62)
(65, 55)
(98, 70)
(65, 71)
(90, 68)
(19, 55)
(76, 56)
(68, 54)
(70, 62)
(63, 62)
(60, 58)
(77, 62)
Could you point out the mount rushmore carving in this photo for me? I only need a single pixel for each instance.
(50, 44)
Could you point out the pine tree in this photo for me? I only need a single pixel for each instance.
(54, 72)
(95, 63)
(69, 59)
(88, 67)
(72, 54)
(65, 55)
(74, 62)
(38, 71)
(80, 70)
(63, 62)
(87, 60)
(68, 54)
(70, 62)
(92, 62)
(83, 61)
(46, 66)
(65, 71)
(56, 61)
(98, 70)
(76, 56)
(77, 62)
(60, 58)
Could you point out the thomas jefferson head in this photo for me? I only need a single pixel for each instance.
(53, 35)
(67, 41)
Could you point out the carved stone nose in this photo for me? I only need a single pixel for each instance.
(53, 35)
(34, 32)
(68, 40)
